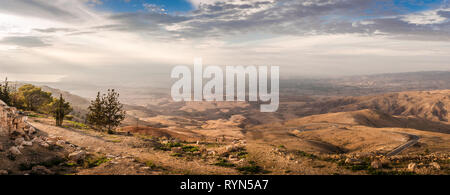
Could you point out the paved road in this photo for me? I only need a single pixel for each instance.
(412, 141)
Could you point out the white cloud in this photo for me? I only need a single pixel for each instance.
(426, 17)
(97, 47)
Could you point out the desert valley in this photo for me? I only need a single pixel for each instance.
(385, 124)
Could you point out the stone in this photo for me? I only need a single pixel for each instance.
(41, 170)
(31, 130)
(352, 161)
(177, 150)
(44, 144)
(19, 141)
(51, 142)
(376, 164)
(16, 133)
(385, 162)
(4, 172)
(212, 152)
(60, 142)
(233, 148)
(412, 166)
(435, 165)
(27, 143)
(37, 140)
(14, 151)
(77, 156)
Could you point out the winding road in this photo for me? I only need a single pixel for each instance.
(412, 141)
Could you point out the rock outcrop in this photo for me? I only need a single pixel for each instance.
(14, 124)
(25, 150)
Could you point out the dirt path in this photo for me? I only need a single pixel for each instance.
(121, 147)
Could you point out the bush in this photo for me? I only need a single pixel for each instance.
(223, 163)
(95, 161)
(304, 154)
(176, 155)
(252, 168)
(190, 148)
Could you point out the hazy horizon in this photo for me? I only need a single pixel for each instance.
(138, 41)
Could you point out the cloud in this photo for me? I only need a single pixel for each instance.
(61, 11)
(53, 30)
(26, 41)
(288, 17)
(437, 16)
(331, 37)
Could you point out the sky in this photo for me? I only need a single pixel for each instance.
(137, 42)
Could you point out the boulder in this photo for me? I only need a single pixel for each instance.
(78, 155)
(352, 161)
(14, 151)
(412, 166)
(435, 165)
(44, 144)
(37, 140)
(31, 130)
(60, 142)
(41, 170)
(19, 141)
(376, 164)
(27, 143)
(177, 150)
(16, 133)
(233, 148)
(212, 152)
(4, 172)
(385, 162)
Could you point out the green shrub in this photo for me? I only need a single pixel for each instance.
(304, 154)
(223, 163)
(176, 155)
(95, 161)
(190, 148)
(252, 168)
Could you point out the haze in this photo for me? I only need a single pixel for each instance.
(137, 42)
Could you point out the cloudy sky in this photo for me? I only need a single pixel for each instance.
(138, 41)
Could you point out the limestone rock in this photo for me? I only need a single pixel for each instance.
(435, 165)
(177, 150)
(31, 130)
(27, 143)
(376, 164)
(352, 161)
(41, 170)
(385, 162)
(19, 141)
(14, 151)
(37, 140)
(78, 155)
(44, 144)
(60, 142)
(412, 166)
(4, 172)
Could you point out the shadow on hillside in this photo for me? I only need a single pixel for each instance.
(386, 120)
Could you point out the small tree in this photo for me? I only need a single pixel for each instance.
(5, 92)
(114, 113)
(33, 98)
(60, 108)
(96, 111)
(106, 111)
